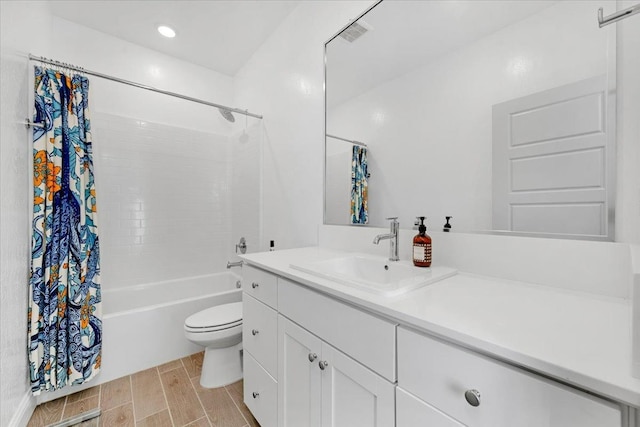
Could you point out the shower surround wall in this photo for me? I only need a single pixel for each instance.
(165, 202)
(246, 150)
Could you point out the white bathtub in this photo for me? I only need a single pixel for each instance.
(142, 325)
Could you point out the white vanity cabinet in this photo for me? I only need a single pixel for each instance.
(260, 341)
(314, 360)
(437, 377)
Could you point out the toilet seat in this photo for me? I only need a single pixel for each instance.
(218, 318)
(219, 330)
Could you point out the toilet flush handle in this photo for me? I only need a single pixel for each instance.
(254, 332)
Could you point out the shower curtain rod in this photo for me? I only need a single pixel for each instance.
(615, 17)
(362, 144)
(141, 86)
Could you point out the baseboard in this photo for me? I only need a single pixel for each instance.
(25, 410)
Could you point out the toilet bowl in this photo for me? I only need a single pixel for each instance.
(219, 330)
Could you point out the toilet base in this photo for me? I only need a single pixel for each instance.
(221, 366)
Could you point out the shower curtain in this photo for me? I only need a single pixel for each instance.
(359, 184)
(64, 326)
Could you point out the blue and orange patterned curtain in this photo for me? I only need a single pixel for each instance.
(65, 328)
(359, 184)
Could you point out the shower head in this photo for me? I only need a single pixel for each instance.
(227, 115)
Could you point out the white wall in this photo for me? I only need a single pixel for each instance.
(429, 131)
(284, 81)
(24, 25)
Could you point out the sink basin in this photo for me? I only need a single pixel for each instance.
(375, 274)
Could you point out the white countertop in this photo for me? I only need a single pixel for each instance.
(581, 339)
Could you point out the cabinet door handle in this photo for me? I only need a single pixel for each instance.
(255, 285)
(323, 364)
(255, 394)
(312, 357)
(255, 332)
(473, 397)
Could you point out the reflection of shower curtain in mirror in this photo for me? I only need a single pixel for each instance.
(359, 184)
(65, 330)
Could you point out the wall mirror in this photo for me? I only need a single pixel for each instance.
(497, 113)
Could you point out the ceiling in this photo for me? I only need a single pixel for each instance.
(405, 35)
(217, 34)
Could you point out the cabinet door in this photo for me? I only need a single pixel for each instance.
(298, 376)
(353, 395)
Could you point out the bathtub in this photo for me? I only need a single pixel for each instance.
(142, 325)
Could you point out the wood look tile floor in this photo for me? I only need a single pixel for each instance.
(168, 395)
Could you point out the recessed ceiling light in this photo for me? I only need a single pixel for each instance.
(166, 31)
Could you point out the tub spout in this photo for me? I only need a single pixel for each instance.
(234, 264)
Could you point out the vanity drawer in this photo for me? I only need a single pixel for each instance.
(260, 393)
(368, 339)
(412, 412)
(261, 285)
(260, 333)
(440, 374)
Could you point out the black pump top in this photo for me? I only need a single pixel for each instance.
(447, 226)
(422, 228)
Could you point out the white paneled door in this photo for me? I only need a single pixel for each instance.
(553, 157)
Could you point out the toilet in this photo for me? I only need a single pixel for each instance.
(219, 330)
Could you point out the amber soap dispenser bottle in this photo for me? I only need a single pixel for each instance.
(422, 246)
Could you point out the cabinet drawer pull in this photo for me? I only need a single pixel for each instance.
(255, 394)
(323, 364)
(255, 285)
(473, 397)
(312, 357)
(254, 332)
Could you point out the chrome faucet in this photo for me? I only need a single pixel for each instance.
(394, 225)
